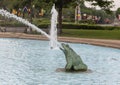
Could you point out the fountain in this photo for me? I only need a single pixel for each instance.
(53, 30)
(36, 65)
(53, 35)
(53, 39)
(74, 62)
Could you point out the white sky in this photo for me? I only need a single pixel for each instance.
(116, 3)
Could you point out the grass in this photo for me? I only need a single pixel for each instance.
(97, 34)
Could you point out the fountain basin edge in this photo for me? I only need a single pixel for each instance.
(97, 42)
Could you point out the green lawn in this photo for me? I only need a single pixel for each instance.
(99, 34)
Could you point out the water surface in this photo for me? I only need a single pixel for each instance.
(31, 62)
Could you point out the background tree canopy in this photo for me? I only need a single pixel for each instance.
(60, 4)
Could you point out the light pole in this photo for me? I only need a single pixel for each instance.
(77, 13)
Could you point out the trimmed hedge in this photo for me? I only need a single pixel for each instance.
(11, 24)
(89, 27)
(65, 26)
(82, 26)
(87, 21)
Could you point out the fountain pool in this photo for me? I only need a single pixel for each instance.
(31, 62)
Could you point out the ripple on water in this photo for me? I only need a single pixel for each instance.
(31, 62)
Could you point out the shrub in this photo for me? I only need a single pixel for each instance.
(89, 27)
(87, 21)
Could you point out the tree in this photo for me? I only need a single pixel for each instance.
(104, 4)
(118, 12)
(22, 3)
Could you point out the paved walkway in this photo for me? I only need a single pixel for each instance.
(100, 42)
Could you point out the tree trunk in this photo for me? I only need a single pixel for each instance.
(31, 11)
(59, 5)
(59, 20)
(31, 14)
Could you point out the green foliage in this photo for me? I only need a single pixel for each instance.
(104, 4)
(118, 12)
(68, 14)
(87, 22)
(89, 27)
(42, 22)
(69, 20)
(46, 4)
(11, 24)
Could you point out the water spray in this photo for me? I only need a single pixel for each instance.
(26, 22)
(53, 32)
